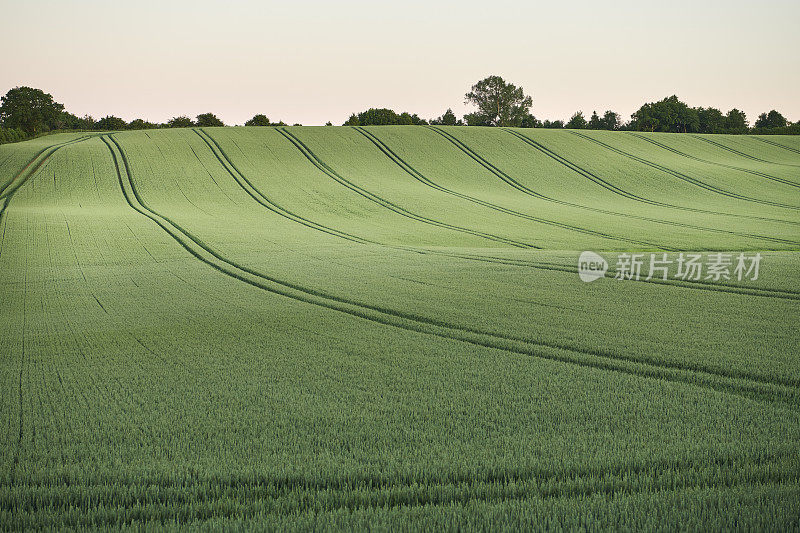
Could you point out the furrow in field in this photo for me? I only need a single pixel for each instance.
(685, 177)
(685, 284)
(262, 199)
(740, 153)
(517, 185)
(583, 173)
(10, 188)
(30, 168)
(724, 165)
(779, 145)
(430, 183)
(327, 170)
(725, 380)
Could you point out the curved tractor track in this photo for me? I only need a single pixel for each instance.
(724, 380)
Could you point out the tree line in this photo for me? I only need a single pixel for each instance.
(499, 103)
(26, 112)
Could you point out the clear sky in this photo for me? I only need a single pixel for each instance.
(313, 61)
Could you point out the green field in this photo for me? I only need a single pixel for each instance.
(313, 327)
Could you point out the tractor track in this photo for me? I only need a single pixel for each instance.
(725, 380)
(684, 177)
(724, 165)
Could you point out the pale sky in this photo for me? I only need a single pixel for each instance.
(312, 61)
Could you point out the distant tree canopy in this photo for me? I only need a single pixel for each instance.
(180, 122)
(447, 119)
(529, 121)
(556, 124)
(609, 121)
(577, 121)
(207, 120)
(499, 103)
(68, 121)
(27, 112)
(773, 119)
(383, 117)
(736, 121)
(258, 120)
(30, 110)
(672, 115)
(140, 124)
(110, 123)
(669, 114)
(262, 120)
(710, 120)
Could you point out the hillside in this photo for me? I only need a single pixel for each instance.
(349, 326)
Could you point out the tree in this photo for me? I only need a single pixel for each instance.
(669, 114)
(447, 119)
(207, 120)
(110, 123)
(139, 124)
(404, 119)
(530, 122)
(710, 120)
(379, 117)
(477, 119)
(611, 120)
(499, 103)
(68, 121)
(11, 135)
(180, 122)
(31, 110)
(577, 122)
(595, 122)
(258, 120)
(383, 117)
(556, 124)
(736, 121)
(773, 119)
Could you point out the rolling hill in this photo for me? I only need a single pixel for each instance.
(383, 326)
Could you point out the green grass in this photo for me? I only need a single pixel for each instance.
(384, 327)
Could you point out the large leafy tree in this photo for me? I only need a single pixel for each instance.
(611, 120)
(180, 122)
(711, 120)
(110, 123)
(383, 117)
(258, 120)
(736, 121)
(499, 103)
(141, 124)
(31, 110)
(208, 120)
(669, 114)
(773, 119)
